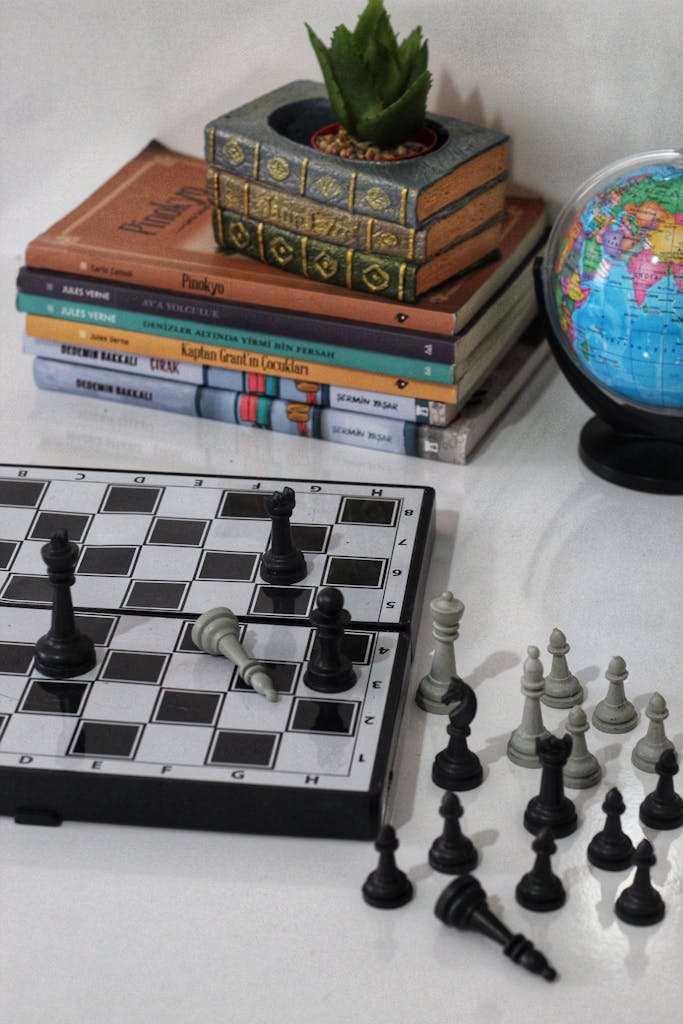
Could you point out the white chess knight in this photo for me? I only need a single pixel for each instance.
(217, 632)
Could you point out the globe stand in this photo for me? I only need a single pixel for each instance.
(632, 460)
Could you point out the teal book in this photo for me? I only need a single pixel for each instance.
(268, 140)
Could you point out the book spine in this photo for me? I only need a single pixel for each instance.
(249, 341)
(315, 260)
(307, 217)
(71, 331)
(305, 172)
(389, 340)
(228, 406)
(256, 384)
(223, 282)
(126, 362)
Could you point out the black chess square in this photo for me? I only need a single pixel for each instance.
(227, 565)
(328, 716)
(185, 641)
(178, 532)
(369, 511)
(138, 500)
(4, 719)
(283, 675)
(117, 560)
(98, 627)
(15, 659)
(133, 667)
(358, 647)
(195, 707)
(310, 538)
(27, 590)
(284, 601)
(8, 549)
(47, 523)
(243, 505)
(106, 739)
(54, 697)
(244, 749)
(354, 572)
(22, 493)
(162, 595)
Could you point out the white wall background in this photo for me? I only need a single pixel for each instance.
(84, 85)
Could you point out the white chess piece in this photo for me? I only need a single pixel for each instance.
(217, 632)
(446, 612)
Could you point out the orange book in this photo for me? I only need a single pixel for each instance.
(150, 225)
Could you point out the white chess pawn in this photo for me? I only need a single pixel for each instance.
(562, 689)
(446, 612)
(582, 769)
(521, 747)
(647, 750)
(217, 632)
(614, 713)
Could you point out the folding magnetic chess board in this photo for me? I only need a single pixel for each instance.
(161, 733)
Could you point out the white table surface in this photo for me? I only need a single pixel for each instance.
(107, 924)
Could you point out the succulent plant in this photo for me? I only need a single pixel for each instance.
(377, 86)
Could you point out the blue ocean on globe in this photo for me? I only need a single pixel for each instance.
(618, 284)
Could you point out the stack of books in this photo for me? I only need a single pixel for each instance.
(128, 299)
(395, 228)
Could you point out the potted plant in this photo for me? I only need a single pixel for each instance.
(377, 88)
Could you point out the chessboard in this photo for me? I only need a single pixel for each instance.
(161, 733)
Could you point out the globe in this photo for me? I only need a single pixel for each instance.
(611, 288)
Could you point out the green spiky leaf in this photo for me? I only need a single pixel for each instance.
(377, 88)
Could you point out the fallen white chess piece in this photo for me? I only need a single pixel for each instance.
(216, 632)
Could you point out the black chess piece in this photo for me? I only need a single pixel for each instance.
(456, 767)
(63, 652)
(329, 669)
(282, 562)
(551, 807)
(640, 903)
(611, 849)
(387, 886)
(663, 807)
(540, 889)
(452, 852)
(463, 905)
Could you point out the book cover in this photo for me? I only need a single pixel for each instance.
(403, 280)
(75, 332)
(150, 225)
(219, 356)
(284, 209)
(227, 406)
(453, 443)
(236, 338)
(268, 139)
(327, 331)
(397, 407)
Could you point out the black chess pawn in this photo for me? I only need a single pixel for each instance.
(663, 808)
(551, 807)
(611, 849)
(456, 767)
(282, 563)
(463, 905)
(540, 889)
(387, 887)
(640, 903)
(452, 852)
(329, 669)
(63, 652)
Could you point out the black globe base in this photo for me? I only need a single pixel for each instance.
(632, 460)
